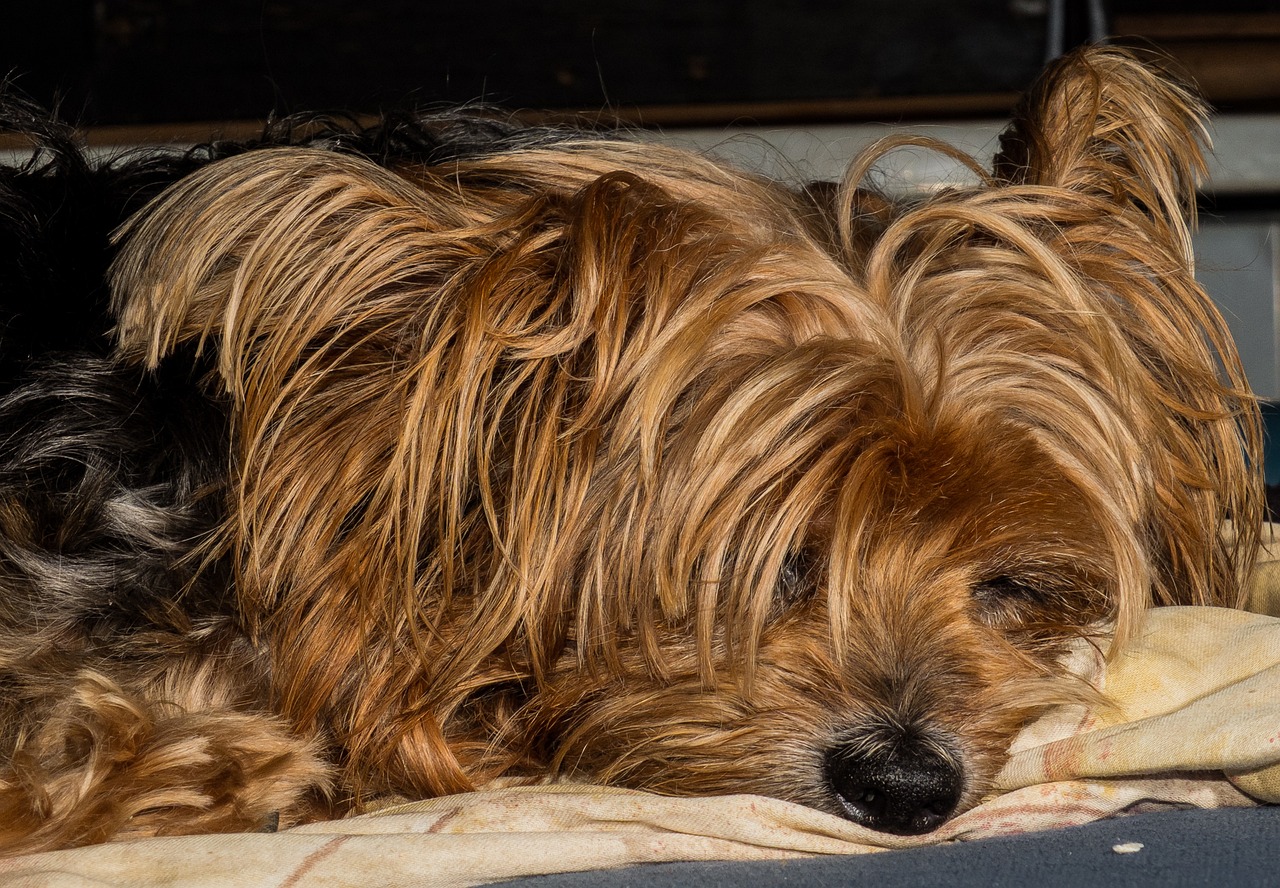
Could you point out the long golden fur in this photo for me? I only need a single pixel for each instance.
(600, 460)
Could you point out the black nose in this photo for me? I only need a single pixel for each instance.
(905, 786)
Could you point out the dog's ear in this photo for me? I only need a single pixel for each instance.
(1109, 149)
(182, 269)
(1103, 123)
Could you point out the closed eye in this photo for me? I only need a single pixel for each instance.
(796, 578)
(1006, 590)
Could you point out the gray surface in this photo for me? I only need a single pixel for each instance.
(1235, 262)
(1229, 847)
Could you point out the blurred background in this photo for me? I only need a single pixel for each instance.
(655, 62)
(792, 87)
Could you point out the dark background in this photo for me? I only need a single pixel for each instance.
(158, 63)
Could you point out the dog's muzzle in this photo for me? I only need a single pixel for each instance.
(905, 786)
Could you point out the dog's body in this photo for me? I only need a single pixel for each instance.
(563, 457)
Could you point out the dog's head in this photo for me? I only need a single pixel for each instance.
(604, 460)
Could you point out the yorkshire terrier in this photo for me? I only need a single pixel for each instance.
(546, 455)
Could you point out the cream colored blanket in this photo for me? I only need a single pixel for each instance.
(1195, 723)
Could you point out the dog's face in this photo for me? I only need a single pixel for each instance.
(603, 461)
(870, 551)
(873, 654)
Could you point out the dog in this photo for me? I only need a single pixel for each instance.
(560, 456)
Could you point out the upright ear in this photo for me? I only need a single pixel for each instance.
(1102, 123)
(1111, 149)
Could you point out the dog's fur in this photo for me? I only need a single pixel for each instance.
(582, 458)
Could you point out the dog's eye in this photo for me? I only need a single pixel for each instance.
(1004, 589)
(796, 579)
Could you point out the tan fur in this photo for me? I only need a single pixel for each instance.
(148, 749)
(527, 441)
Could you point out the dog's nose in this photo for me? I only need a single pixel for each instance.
(904, 788)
